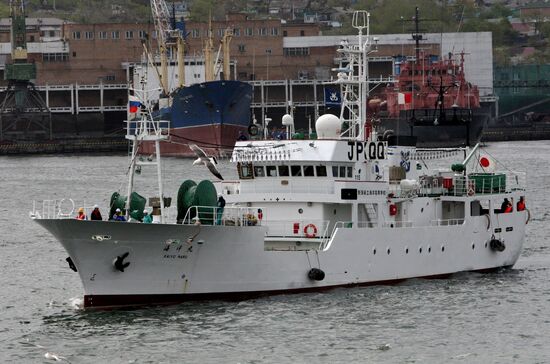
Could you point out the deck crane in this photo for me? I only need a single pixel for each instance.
(168, 38)
(22, 109)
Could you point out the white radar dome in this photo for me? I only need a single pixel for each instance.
(328, 126)
(287, 120)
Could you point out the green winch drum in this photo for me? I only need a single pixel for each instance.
(182, 192)
(137, 205)
(117, 202)
(204, 194)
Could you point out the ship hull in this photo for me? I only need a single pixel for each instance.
(209, 114)
(231, 262)
(432, 134)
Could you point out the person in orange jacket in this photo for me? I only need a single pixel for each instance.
(81, 215)
(521, 204)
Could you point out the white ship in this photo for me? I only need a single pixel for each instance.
(346, 209)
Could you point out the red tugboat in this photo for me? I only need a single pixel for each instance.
(431, 100)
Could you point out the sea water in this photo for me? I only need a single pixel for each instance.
(469, 318)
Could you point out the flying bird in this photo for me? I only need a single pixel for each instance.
(209, 162)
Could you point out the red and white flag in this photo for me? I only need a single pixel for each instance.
(404, 98)
(487, 163)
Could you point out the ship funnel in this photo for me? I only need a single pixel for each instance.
(328, 126)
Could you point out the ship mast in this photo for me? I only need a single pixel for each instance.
(353, 78)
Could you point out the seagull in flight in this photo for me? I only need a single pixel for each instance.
(209, 162)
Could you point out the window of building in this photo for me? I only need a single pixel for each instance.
(89, 35)
(129, 34)
(110, 78)
(31, 38)
(142, 34)
(308, 171)
(274, 31)
(296, 52)
(76, 35)
(102, 35)
(271, 171)
(55, 57)
(154, 34)
(242, 48)
(52, 33)
(285, 33)
(237, 32)
(195, 33)
(221, 32)
(115, 34)
(249, 32)
(302, 33)
(259, 171)
(268, 51)
(283, 171)
(321, 171)
(262, 31)
(296, 171)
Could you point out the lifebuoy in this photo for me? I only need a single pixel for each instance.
(253, 129)
(307, 231)
(393, 209)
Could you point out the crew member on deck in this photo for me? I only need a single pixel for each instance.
(96, 215)
(506, 206)
(221, 205)
(521, 204)
(81, 215)
(147, 218)
(118, 216)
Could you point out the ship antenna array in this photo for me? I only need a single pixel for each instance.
(353, 79)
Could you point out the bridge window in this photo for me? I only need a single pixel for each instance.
(271, 171)
(283, 171)
(259, 171)
(308, 171)
(296, 171)
(350, 172)
(321, 171)
(342, 171)
(334, 171)
(245, 170)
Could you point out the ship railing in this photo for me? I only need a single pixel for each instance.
(486, 183)
(298, 229)
(65, 208)
(159, 128)
(228, 216)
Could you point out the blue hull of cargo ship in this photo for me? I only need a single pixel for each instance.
(210, 103)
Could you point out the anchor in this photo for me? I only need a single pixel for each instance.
(119, 264)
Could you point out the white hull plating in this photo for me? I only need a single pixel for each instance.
(231, 262)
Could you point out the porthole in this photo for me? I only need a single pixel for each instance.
(300, 211)
(429, 249)
(486, 244)
(420, 250)
(374, 251)
(442, 248)
(422, 209)
(473, 246)
(388, 251)
(406, 250)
